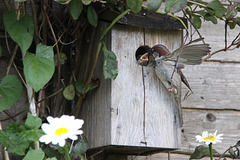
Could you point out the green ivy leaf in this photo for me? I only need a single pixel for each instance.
(63, 58)
(10, 91)
(51, 158)
(110, 64)
(22, 144)
(34, 154)
(218, 8)
(51, 152)
(86, 2)
(174, 6)
(238, 9)
(39, 68)
(21, 31)
(3, 138)
(32, 134)
(232, 25)
(79, 85)
(237, 20)
(231, 13)
(14, 138)
(135, 5)
(202, 13)
(80, 148)
(200, 152)
(92, 16)
(213, 19)
(17, 138)
(196, 20)
(153, 5)
(69, 92)
(32, 122)
(76, 7)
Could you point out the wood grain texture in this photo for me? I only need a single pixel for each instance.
(127, 90)
(134, 110)
(161, 112)
(150, 116)
(197, 121)
(214, 35)
(96, 110)
(215, 86)
(166, 156)
(144, 19)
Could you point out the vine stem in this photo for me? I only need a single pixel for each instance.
(210, 151)
(66, 152)
(79, 102)
(113, 22)
(159, 12)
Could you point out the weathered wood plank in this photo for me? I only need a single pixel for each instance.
(96, 109)
(161, 113)
(214, 35)
(127, 92)
(197, 121)
(166, 156)
(144, 19)
(215, 85)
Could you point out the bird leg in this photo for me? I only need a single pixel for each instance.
(172, 90)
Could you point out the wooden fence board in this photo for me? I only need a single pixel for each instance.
(215, 86)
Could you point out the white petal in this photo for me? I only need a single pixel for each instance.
(78, 132)
(205, 134)
(78, 123)
(50, 119)
(45, 139)
(47, 128)
(207, 142)
(199, 138)
(73, 137)
(62, 143)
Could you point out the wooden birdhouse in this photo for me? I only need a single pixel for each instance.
(133, 114)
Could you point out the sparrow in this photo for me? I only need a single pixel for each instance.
(168, 64)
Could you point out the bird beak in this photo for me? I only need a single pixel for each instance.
(144, 57)
(143, 61)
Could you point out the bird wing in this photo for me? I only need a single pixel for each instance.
(190, 54)
(164, 71)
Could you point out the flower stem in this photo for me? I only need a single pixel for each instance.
(210, 151)
(66, 152)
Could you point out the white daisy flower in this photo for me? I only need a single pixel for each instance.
(60, 129)
(209, 137)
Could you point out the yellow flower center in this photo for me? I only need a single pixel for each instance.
(61, 131)
(210, 138)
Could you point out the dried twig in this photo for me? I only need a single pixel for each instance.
(7, 5)
(36, 38)
(58, 56)
(225, 48)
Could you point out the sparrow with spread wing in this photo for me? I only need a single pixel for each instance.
(168, 64)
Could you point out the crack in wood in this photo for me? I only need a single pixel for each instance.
(222, 61)
(144, 109)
